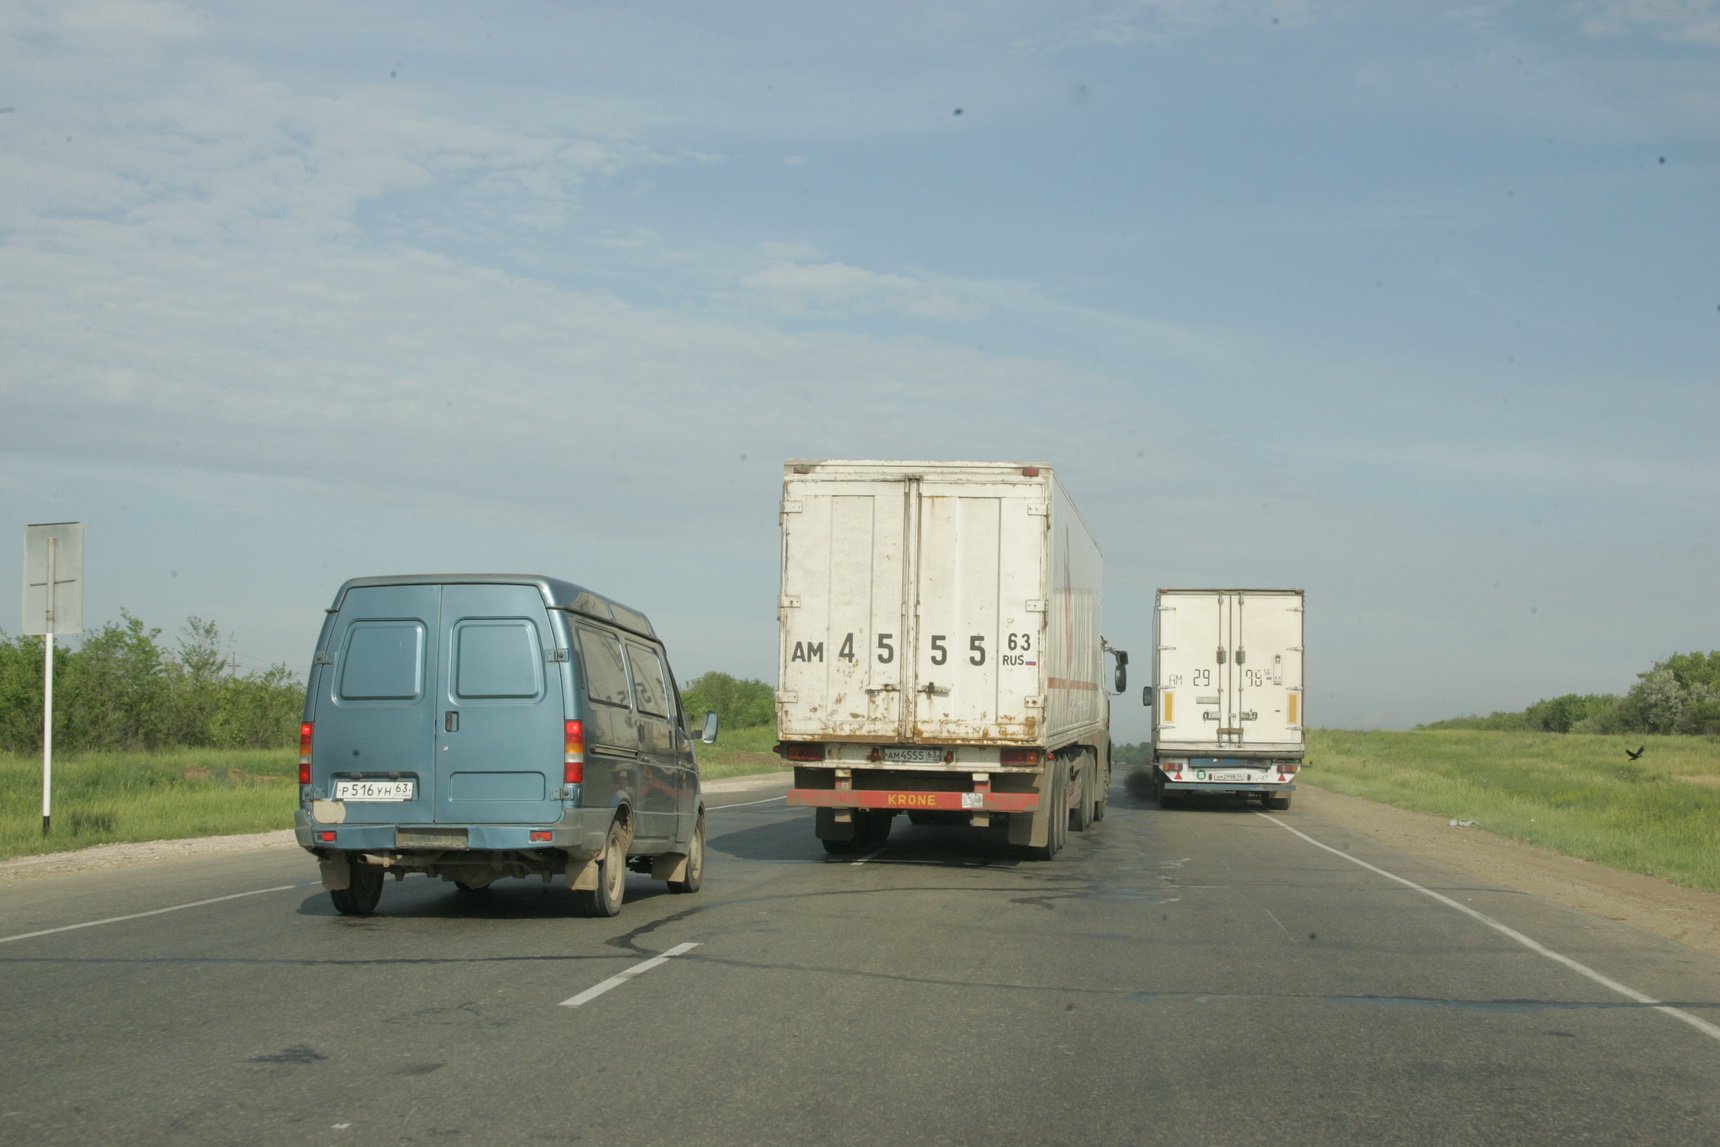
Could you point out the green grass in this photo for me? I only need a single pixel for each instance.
(104, 798)
(1573, 793)
(739, 752)
(108, 798)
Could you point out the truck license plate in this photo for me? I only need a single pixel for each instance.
(914, 756)
(375, 790)
(1229, 775)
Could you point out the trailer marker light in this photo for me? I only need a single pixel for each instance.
(305, 753)
(949, 755)
(1030, 471)
(573, 753)
(874, 755)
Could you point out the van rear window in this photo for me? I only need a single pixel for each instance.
(497, 659)
(384, 661)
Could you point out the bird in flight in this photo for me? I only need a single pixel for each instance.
(1635, 755)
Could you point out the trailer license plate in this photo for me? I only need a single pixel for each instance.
(375, 790)
(1229, 775)
(914, 756)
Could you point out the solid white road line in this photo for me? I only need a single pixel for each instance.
(620, 978)
(1539, 949)
(744, 804)
(152, 912)
(868, 856)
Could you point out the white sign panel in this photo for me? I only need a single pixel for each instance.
(54, 578)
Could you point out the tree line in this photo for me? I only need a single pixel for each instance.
(123, 689)
(738, 703)
(1678, 695)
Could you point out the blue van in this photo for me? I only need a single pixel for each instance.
(481, 726)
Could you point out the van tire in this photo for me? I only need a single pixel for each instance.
(695, 871)
(360, 897)
(605, 899)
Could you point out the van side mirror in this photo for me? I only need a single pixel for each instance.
(1147, 696)
(709, 734)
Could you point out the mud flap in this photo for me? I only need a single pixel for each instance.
(828, 827)
(1029, 828)
(336, 872)
(582, 874)
(669, 866)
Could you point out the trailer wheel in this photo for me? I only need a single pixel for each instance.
(1279, 804)
(695, 873)
(874, 827)
(840, 847)
(1082, 814)
(605, 899)
(360, 897)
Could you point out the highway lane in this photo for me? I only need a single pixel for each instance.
(1191, 976)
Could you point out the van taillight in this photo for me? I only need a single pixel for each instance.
(1020, 757)
(802, 751)
(573, 753)
(305, 753)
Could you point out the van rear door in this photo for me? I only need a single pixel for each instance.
(376, 704)
(499, 734)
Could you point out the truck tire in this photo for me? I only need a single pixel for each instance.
(1279, 804)
(1082, 814)
(840, 847)
(1056, 812)
(695, 872)
(605, 899)
(360, 897)
(1102, 795)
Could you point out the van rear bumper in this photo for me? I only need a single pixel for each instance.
(579, 833)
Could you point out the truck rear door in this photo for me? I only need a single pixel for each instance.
(1266, 670)
(977, 563)
(843, 624)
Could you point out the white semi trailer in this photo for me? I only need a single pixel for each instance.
(1227, 685)
(940, 651)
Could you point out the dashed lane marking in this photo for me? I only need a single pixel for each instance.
(1534, 946)
(151, 912)
(620, 978)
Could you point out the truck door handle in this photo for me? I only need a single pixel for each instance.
(451, 721)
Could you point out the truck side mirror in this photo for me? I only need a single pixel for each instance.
(1122, 682)
(1147, 696)
(709, 734)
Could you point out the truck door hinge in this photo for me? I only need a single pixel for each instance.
(791, 506)
(788, 601)
(1040, 509)
(788, 696)
(1037, 605)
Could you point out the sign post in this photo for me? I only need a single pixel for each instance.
(53, 604)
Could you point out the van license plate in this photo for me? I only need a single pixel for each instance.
(916, 756)
(375, 790)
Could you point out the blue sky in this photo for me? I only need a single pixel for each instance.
(1414, 306)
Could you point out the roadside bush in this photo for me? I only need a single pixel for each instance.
(739, 704)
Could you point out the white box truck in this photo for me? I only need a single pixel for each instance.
(1227, 686)
(940, 651)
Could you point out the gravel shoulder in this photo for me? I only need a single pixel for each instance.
(1685, 915)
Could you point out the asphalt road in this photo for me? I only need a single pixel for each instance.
(1199, 976)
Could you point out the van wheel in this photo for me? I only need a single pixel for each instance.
(605, 899)
(695, 871)
(360, 897)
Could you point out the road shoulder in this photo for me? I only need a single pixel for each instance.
(1687, 915)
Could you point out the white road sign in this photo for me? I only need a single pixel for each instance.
(54, 578)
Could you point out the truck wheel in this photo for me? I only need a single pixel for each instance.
(840, 847)
(1101, 796)
(695, 873)
(360, 897)
(605, 899)
(1056, 817)
(1082, 814)
(1279, 804)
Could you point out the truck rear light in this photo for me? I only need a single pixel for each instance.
(1290, 768)
(305, 753)
(803, 750)
(875, 755)
(1018, 757)
(949, 755)
(572, 753)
